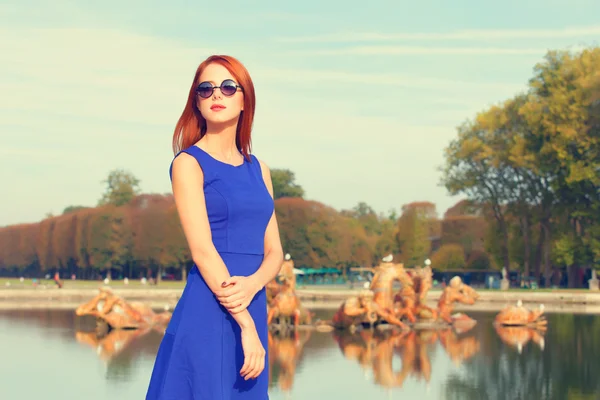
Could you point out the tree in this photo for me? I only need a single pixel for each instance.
(413, 235)
(284, 184)
(474, 167)
(449, 257)
(70, 209)
(121, 188)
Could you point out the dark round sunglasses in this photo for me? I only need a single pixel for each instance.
(228, 87)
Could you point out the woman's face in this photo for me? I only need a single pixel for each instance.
(219, 106)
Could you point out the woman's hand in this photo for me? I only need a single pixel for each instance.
(238, 292)
(254, 354)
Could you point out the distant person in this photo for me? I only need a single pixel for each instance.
(57, 280)
(215, 346)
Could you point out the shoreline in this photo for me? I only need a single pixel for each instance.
(586, 302)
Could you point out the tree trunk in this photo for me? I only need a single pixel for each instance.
(525, 222)
(158, 274)
(572, 276)
(504, 244)
(547, 244)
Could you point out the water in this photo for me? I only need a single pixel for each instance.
(43, 357)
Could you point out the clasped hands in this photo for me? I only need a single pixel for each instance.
(237, 292)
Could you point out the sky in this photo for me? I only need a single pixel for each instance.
(358, 102)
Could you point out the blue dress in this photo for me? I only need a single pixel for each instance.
(201, 354)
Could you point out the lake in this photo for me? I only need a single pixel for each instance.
(49, 354)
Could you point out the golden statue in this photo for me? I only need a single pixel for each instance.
(382, 284)
(410, 300)
(521, 316)
(456, 291)
(381, 305)
(284, 308)
(285, 277)
(113, 312)
(363, 310)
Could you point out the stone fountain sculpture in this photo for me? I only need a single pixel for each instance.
(284, 308)
(380, 306)
(521, 316)
(113, 312)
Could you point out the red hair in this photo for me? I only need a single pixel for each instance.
(191, 126)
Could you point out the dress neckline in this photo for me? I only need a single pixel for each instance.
(223, 162)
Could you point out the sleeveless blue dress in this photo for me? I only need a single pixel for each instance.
(201, 354)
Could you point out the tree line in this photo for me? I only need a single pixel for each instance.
(533, 163)
(528, 169)
(133, 234)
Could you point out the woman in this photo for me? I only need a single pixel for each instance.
(215, 346)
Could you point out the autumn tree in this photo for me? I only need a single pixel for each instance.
(449, 257)
(379, 229)
(319, 236)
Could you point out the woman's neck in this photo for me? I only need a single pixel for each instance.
(220, 140)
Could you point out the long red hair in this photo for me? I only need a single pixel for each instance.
(191, 126)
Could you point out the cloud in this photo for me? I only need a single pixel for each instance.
(461, 35)
(95, 73)
(422, 50)
(383, 79)
(84, 101)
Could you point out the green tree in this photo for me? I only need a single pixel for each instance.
(449, 257)
(284, 184)
(70, 209)
(413, 234)
(121, 187)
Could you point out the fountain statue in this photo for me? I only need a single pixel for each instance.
(363, 310)
(456, 291)
(379, 306)
(521, 316)
(284, 308)
(409, 302)
(113, 312)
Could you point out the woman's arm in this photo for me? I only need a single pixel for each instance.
(188, 191)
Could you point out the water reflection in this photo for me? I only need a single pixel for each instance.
(519, 336)
(483, 362)
(285, 351)
(120, 350)
(376, 351)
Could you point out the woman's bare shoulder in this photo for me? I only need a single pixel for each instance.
(186, 164)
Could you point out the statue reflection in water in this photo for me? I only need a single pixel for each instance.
(113, 344)
(285, 350)
(375, 351)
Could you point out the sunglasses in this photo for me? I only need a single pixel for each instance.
(228, 87)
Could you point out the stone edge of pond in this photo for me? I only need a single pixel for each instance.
(560, 300)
